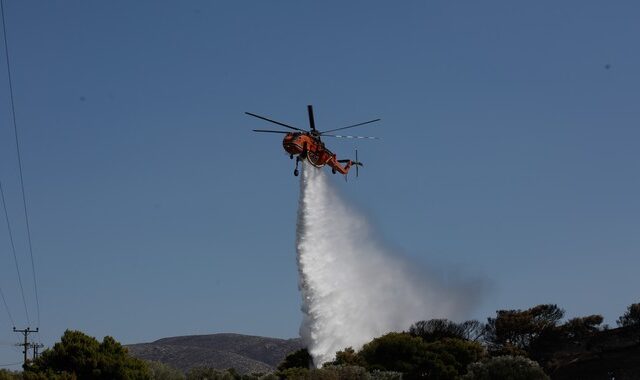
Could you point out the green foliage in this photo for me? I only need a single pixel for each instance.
(436, 329)
(443, 359)
(631, 317)
(202, 373)
(396, 352)
(9, 375)
(297, 359)
(81, 356)
(293, 373)
(386, 375)
(211, 374)
(339, 373)
(161, 371)
(505, 367)
(457, 353)
(515, 331)
(260, 376)
(582, 327)
(348, 356)
(49, 375)
(336, 372)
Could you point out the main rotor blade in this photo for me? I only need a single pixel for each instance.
(312, 122)
(350, 126)
(269, 131)
(273, 121)
(352, 137)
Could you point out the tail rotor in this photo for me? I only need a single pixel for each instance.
(357, 164)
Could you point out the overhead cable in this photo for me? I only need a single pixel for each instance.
(15, 257)
(24, 199)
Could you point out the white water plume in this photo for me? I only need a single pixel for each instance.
(353, 287)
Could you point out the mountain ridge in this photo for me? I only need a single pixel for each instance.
(245, 353)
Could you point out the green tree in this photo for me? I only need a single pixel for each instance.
(200, 373)
(581, 327)
(457, 353)
(82, 356)
(296, 359)
(631, 317)
(397, 352)
(505, 367)
(348, 356)
(435, 329)
(161, 371)
(9, 375)
(447, 358)
(516, 331)
(338, 373)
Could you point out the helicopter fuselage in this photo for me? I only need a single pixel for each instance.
(305, 145)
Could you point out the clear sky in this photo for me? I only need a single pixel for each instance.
(508, 152)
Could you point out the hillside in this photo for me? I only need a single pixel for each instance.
(607, 354)
(245, 353)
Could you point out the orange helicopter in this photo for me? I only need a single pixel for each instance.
(308, 144)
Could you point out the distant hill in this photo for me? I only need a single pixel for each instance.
(245, 353)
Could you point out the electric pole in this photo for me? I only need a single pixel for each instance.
(26, 343)
(36, 350)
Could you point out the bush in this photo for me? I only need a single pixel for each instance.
(161, 371)
(79, 355)
(631, 317)
(296, 359)
(505, 367)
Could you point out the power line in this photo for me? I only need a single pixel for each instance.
(15, 257)
(15, 130)
(6, 307)
(9, 365)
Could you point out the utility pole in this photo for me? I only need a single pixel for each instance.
(26, 343)
(36, 348)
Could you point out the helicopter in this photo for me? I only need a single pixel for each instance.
(307, 144)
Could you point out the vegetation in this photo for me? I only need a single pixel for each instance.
(631, 317)
(436, 329)
(80, 356)
(414, 357)
(296, 359)
(505, 367)
(522, 332)
(161, 371)
(515, 344)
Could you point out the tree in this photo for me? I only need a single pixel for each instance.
(631, 317)
(296, 359)
(161, 371)
(9, 375)
(457, 353)
(582, 327)
(84, 357)
(447, 358)
(505, 367)
(211, 374)
(436, 329)
(348, 356)
(516, 331)
(397, 352)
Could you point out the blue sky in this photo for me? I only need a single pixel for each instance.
(508, 152)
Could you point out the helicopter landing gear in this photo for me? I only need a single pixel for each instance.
(291, 156)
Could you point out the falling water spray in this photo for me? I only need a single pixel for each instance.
(353, 287)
